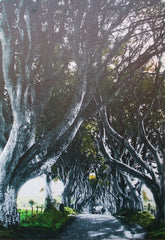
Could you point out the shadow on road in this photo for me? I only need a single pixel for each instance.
(97, 226)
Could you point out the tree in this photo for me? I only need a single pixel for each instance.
(88, 181)
(49, 200)
(40, 40)
(31, 202)
(138, 153)
(145, 197)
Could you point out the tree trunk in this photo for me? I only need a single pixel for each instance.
(49, 200)
(66, 196)
(160, 204)
(9, 216)
(8, 159)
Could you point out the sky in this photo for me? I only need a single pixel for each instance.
(149, 193)
(34, 189)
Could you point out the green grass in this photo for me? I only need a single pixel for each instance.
(145, 219)
(26, 214)
(52, 220)
(44, 220)
(154, 229)
(157, 233)
(69, 211)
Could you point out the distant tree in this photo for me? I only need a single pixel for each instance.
(42, 189)
(31, 202)
(88, 181)
(145, 197)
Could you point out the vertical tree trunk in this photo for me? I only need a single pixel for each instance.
(9, 159)
(160, 204)
(9, 216)
(49, 200)
(66, 198)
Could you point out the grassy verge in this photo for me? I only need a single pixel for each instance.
(147, 221)
(7, 233)
(51, 221)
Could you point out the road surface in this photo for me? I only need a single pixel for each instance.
(99, 227)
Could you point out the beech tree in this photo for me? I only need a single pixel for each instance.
(40, 42)
(88, 182)
(135, 143)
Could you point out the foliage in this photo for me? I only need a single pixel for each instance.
(157, 232)
(48, 223)
(145, 219)
(61, 97)
(145, 198)
(31, 202)
(51, 219)
(69, 210)
(87, 137)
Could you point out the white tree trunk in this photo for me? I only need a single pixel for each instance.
(49, 200)
(9, 216)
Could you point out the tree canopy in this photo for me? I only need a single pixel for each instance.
(56, 58)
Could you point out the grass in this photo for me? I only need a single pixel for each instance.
(145, 219)
(26, 214)
(52, 219)
(45, 222)
(7, 233)
(156, 231)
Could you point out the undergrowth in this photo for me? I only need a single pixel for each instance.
(7, 233)
(145, 219)
(51, 220)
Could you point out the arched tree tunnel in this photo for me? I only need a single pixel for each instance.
(90, 184)
(82, 97)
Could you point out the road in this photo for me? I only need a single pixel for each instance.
(99, 227)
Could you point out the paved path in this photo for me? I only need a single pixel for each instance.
(99, 227)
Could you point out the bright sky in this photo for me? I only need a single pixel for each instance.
(148, 192)
(35, 189)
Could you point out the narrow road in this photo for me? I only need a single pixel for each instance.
(97, 226)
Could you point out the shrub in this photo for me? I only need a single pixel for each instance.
(157, 233)
(69, 210)
(145, 219)
(51, 219)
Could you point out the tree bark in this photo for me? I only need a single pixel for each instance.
(9, 216)
(145, 173)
